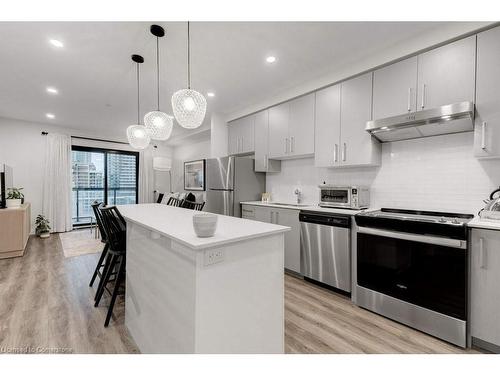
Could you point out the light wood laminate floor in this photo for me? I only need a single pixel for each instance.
(45, 302)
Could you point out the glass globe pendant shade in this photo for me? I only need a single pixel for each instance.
(159, 125)
(189, 108)
(138, 137)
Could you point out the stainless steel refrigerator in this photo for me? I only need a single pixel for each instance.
(231, 180)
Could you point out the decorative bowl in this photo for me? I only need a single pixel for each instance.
(205, 224)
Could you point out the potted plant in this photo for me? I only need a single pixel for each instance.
(42, 226)
(14, 197)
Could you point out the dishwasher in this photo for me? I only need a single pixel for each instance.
(325, 248)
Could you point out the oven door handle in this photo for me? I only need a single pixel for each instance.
(449, 242)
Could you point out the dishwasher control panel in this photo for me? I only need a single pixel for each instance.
(336, 220)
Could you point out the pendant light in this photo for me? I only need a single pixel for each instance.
(158, 123)
(137, 135)
(189, 106)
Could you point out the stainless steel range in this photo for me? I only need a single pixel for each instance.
(411, 266)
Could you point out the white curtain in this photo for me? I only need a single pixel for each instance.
(146, 177)
(56, 201)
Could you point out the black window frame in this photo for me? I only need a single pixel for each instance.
(107, 151)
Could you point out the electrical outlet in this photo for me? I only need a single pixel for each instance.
(213, 256)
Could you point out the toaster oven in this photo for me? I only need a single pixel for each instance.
(351, 197)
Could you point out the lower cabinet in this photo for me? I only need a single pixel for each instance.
(485, 282)
(280, 216)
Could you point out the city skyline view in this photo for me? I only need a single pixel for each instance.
(89, 180)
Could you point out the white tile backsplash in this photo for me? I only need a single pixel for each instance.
(436, 173)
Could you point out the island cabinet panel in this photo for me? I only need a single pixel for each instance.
(327, 136)
(446, 74)
(485, 292)
(186, 294)
(487, 120)
(262, 161)
(241, 136)
(395, 89)
(357, 146)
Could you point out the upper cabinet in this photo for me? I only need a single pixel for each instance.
(358, 147)
(241, 136)
(291, 128)
(279, 116)
(487, 126)
(446, 74)
(262, 161)
(301, 126)
(327, 137)
(395, 89)
(341, 114)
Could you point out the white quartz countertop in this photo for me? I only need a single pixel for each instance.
(306, 208)
(177, 223)
(477, 222)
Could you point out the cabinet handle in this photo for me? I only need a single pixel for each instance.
(482, 254)
(271, 214)
(266, 162)
(483, 135)
(286, 145)
(409, 99)
(292, 144)
(344, 151)
(277, 217)
(336, 153)
(423, 96)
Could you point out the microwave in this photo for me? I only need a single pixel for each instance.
(351, 197)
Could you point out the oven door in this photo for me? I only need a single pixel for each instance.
(335, 197)
(426, 271)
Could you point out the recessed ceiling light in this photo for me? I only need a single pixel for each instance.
(50, 115)
(210, 94)
(270, 59)
(52, 90)
(56, 43)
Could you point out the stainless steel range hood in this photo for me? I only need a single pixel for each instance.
(452, 118)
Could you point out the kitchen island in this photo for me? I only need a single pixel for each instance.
(184, 294)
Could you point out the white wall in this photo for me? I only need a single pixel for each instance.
(188, 152)
(22, 147)
(437, 173)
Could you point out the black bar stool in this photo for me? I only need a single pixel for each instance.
(114, 269)
(197, 206)
(100, 264)
(174, 202)
(160, 197)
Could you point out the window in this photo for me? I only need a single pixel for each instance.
(102, 175)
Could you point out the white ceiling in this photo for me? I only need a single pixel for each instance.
(96, 78)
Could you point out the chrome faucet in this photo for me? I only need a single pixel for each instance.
(297, 192)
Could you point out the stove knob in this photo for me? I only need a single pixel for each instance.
(442, 219)
(455, 221)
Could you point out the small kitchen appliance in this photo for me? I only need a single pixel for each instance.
(350, 197)
(491, 211)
